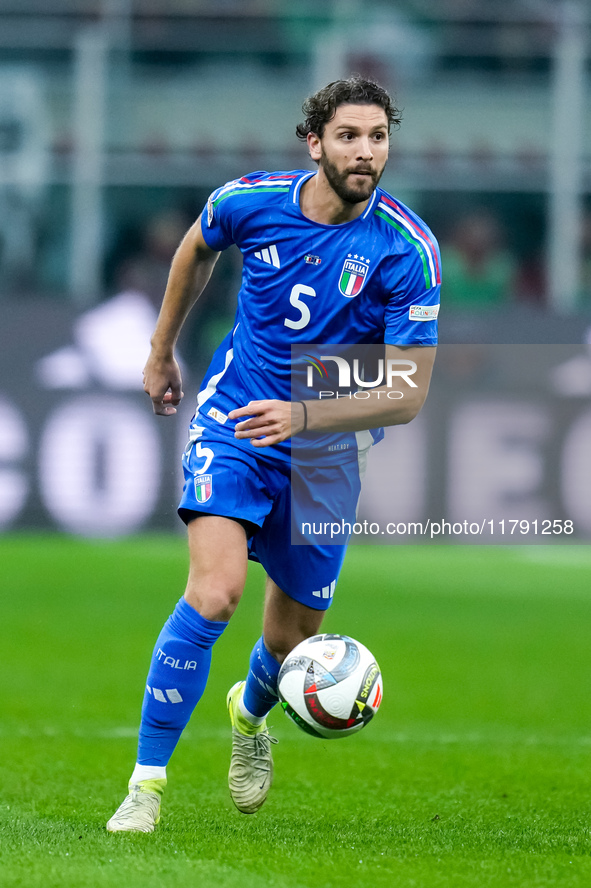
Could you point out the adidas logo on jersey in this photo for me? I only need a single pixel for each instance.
(269, 255)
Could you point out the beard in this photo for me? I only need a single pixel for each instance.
(342, 186)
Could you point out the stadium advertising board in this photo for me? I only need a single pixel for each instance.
(80, 450)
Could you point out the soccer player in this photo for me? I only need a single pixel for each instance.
(328, 258)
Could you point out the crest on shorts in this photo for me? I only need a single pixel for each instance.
(203, 488)
(355, 268)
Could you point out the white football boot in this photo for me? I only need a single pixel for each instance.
(251, 764)
(140, 810)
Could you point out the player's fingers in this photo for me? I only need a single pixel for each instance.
(254, 432)
(175, 392)
(159, 408)
(267, 440)
(162, 406)
(250, 409)
(238, 412)
(254, 422)
(270, 434)
(171, 398)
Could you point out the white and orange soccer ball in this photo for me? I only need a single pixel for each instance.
(330, 685)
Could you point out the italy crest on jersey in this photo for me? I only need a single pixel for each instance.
(353, 275)
(203, 488)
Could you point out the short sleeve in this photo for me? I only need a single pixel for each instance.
(413, 306)
(414, 320)
(216, 219)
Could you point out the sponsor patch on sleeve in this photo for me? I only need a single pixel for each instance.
(423, 312)
(209, 212)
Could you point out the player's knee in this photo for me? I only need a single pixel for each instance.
(214, 601)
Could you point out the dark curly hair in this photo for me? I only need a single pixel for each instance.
(356, 90)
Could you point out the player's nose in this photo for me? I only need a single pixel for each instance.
(365, 151)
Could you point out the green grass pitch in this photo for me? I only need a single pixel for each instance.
(476, 772)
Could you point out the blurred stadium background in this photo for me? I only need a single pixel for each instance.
(118, 117)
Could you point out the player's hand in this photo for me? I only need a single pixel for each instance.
(163, 383)
(269, 422)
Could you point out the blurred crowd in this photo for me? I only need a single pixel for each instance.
(482, 270)
(139, 262)
(185, 94)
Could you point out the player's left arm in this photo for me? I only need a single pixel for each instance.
(272, 421)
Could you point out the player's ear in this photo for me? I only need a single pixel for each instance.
(314, 146)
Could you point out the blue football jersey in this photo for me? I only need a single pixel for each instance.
(375, 279)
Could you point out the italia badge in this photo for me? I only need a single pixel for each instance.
(353, 275)
(203, 488)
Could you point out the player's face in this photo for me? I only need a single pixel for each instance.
(353, 151)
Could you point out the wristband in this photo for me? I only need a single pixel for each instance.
(305, 415)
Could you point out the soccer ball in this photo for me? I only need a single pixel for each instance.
(330, 685)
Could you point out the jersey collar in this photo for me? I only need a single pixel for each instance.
(295, 196)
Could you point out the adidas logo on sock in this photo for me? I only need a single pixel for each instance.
(171, 693)
(269, 255)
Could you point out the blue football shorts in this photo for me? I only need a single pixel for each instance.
(273, 500)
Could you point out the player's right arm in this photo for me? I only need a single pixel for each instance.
(189, 273)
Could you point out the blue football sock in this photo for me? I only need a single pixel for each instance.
(176, 680)
(260, 692)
